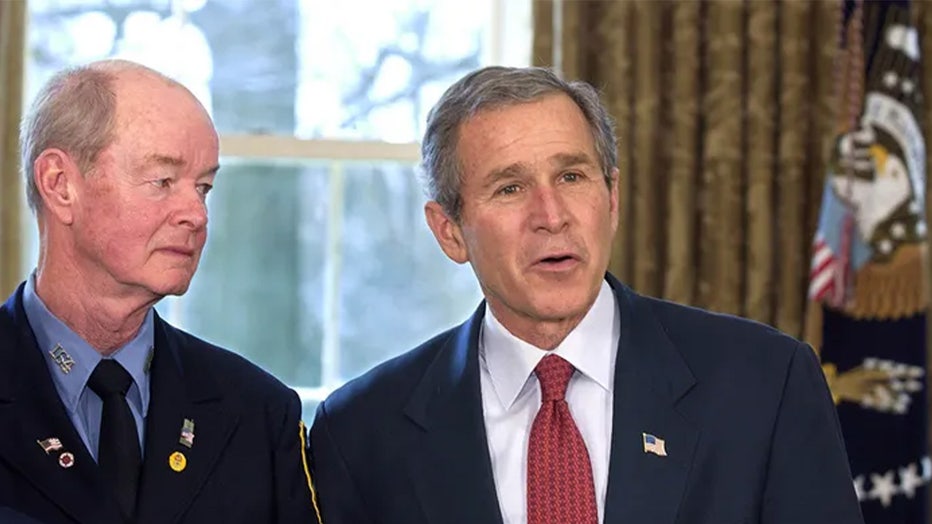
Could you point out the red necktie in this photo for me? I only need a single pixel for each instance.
(559, 475)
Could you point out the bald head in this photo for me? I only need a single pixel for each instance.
(76, 112)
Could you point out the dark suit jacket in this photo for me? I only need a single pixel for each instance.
(749, 425)
(245, 466)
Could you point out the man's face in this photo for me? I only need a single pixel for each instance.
(537, 218)
(140, 222)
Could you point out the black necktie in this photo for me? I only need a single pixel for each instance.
(118, 454)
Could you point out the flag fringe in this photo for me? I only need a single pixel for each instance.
(891, 290)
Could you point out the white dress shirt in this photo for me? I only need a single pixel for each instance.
(511, 398)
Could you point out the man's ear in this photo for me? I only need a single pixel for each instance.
(56, 176)
(447, 232)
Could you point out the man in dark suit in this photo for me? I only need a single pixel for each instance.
(110, 414)
(567, 397)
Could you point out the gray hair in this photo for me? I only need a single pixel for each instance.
(75, 111)
(494, 87)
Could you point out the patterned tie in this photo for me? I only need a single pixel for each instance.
(118, 454)
(559, 476)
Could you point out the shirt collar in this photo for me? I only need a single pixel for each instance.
(51, 332)
(591, 347)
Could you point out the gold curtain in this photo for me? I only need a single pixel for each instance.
(725, 119)
(12, 38)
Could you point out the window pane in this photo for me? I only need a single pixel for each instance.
(324, 71)
(397, 287)
(375, 79)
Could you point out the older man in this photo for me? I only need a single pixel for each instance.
(567, 397)
(109, 414)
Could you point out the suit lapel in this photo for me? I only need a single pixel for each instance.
(451, 468)
(181, 388)
(650, 377)
(31, 411)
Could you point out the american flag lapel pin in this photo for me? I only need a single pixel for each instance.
(187, 433)
(654, 444)
(49, 444)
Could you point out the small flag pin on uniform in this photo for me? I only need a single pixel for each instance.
(49, 444)
(187, 433)
(66, 460)
(655, 445)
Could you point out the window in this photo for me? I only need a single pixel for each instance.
(318, 264)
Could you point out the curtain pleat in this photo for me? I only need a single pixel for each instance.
(684, 132)
(722, 173)
(647, 177)
(761, 167)
(613, 68)
(543, 45)
(12, 38)
(793, 240)
(572, 53)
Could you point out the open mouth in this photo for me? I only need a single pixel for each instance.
(556, 259)
(558, 262)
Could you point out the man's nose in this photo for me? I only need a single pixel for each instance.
(191, 210)
(549, 211)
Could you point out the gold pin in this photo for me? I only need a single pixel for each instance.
(177, 461)
(66, 460)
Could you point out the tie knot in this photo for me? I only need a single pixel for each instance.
(554, 375)
(109, 378)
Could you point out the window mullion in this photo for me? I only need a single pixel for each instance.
(333, 261)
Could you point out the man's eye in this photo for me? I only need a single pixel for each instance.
(162, 183)
(509, 189)
(204, 189)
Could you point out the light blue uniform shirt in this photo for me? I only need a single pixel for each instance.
(83, 405)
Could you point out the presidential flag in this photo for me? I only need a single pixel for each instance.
(867, 275)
